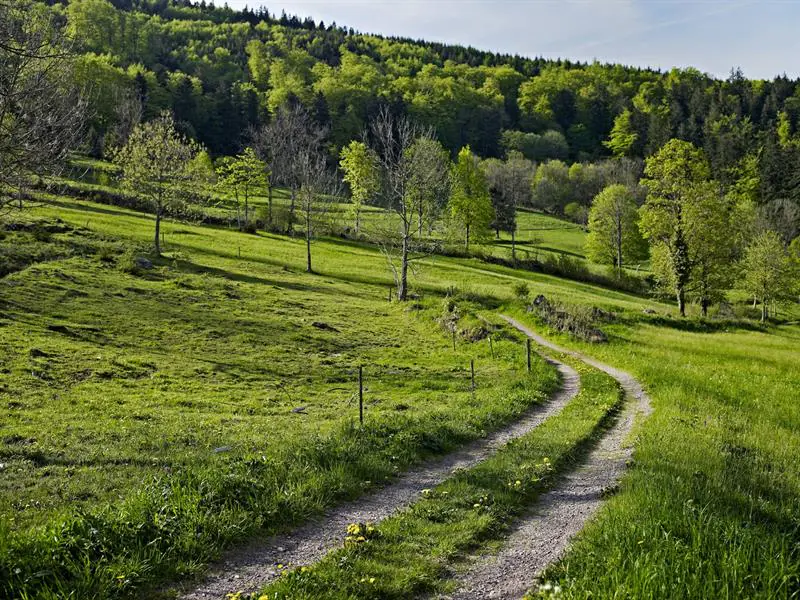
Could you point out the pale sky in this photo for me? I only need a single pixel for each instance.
(761, 37)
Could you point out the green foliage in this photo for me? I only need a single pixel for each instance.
(155, 162)
(242, 176)
(768, 272)
(688, 223)
(361, 172)
(623, 137)
(614, 237)
(470, 203)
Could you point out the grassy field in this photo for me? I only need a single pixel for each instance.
(228, 381)
(185, 377)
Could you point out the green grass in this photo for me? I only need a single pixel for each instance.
(118, 387)
(410, 554)
(148, 415)
(711, 507)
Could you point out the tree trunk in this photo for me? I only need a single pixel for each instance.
(466, 242)
(158, 231)
(358, 220)
(419, 216)
(308, 253)
(246, 211)
(402, 293)
(308, 243)
(704, 306)
(682, 301)
(514, 246)
(619, 249)
(290, 224)
(269, 206)
(764, 311)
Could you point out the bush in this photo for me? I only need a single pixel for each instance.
(521, 291)
(578, 320)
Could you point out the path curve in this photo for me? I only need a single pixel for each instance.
(250, 568)
(539, 539)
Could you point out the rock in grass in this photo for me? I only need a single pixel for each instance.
(324, 326)
(143, 263)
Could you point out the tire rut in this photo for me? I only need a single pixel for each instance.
(540, 538)
(249, 568)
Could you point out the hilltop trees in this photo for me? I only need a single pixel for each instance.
(42, 111)
(470, 203)
(614, 236)
(154, 163)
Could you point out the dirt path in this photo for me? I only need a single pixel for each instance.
(542, 537)
(252, 567)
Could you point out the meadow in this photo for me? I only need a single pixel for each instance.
(173, 411)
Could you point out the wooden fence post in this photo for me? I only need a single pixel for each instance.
(361, 394)
(528, 352)
(472, 373)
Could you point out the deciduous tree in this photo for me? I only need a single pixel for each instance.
(360, 166)
(155, 165)
(429, 187)
(241, 176)
(614, 236)
(470, 203)
(42, 112)
(392, 137)
(768, 273)
(688, 222)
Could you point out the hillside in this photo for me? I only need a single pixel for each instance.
(196, 373)
(289, 311)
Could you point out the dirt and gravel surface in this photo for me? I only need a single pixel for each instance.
(541, 537)
(248, 569)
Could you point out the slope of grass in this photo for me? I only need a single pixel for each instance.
(710, 508)
(152, 416)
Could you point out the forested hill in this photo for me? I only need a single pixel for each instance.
(221, 71)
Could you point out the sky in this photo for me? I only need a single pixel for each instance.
(761, 37)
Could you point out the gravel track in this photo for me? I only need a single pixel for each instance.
(249, 568)
(541, 537)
